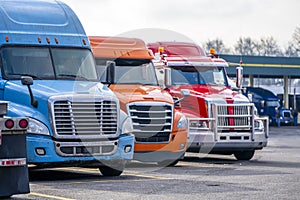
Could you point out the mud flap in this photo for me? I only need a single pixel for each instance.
(13, 165)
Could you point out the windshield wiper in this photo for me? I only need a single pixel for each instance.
(73, 76)
(31, 75)
(149, 84)
(137, 83)
(214, 84)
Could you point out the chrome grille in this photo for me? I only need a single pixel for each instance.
(85, 119)
(242, 114)
(152, 123)
(233, 116)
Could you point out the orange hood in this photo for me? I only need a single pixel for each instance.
(133, 93)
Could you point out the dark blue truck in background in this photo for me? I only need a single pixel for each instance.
(267, 104)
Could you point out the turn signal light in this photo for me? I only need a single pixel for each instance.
(127, 148)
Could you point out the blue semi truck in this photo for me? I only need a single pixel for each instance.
(267, 103)
(48, 74)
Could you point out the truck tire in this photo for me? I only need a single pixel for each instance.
(244, 155)
(109, 171)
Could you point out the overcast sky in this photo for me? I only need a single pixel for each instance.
(195, 20)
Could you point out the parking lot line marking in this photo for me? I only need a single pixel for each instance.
(49, 196)
(148, 176)
(112, 181)
(109, 181)
(79, 169)
(96, 170)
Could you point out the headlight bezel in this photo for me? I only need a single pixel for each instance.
(127, 126)
(182, 122)
(259, 125)
(37, 127)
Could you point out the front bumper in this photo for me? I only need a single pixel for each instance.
(158, 152)
(37, 142)
(207, 142)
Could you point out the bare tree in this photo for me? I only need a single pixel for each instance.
(296, 39)
(270, 47)
(245, 46)
(293, 48)
(218, 45)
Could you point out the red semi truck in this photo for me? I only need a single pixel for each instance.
(221, 121)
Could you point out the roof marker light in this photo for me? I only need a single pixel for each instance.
(84, 41)
(39, 40)
(6, 38)
(56, 40)
(161, 50)
(48, 40)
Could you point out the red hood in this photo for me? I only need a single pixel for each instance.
(136, 93)
(195, 104)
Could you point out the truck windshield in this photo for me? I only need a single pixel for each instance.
(273, 104)
(48, 63)
(198, 75)
(129, 71)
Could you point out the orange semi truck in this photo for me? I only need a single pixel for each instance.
(160, 130)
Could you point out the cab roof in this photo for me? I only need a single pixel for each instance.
(185, 54)
(178, 49)
(119, 47)
(24, 21)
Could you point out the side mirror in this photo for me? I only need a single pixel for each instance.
(250, 97)
(185, 92)
(27, 80)
(157, 56)
(110, 71)
(168, 77)
(262, 103)
(239, 77)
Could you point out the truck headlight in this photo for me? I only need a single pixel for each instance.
(198, 124)
(182, 122)
(258, 125)
(37, 127)
(127, 126)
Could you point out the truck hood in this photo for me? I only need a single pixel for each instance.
(201, 95)
(136, 93)
(42, 90)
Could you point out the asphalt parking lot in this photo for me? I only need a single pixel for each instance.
(273, 173)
